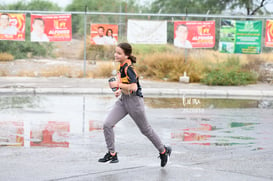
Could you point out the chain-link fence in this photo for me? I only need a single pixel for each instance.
(82, 47)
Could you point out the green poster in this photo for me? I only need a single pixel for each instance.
(240, 37)
(227, 36)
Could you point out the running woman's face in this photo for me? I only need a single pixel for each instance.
(120, 55)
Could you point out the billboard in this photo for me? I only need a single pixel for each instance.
(52, 27)
(12, 26)
(269, 33)
(194, 34)
(240, 37)
(147, 32)
(104, 34)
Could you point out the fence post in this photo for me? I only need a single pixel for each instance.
(84, 64)
(186, 49)
(263, 34)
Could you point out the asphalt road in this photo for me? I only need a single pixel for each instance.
(239, 147)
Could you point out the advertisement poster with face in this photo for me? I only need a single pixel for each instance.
(12, 26)
(104, 34)
(194, 34)
(47, 28)
(269, 33)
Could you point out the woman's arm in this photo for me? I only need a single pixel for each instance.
(128, 87)
(124, 87)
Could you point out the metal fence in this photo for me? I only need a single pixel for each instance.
(81, 22)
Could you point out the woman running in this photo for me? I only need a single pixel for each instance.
(131, 102)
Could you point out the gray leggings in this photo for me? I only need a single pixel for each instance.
(134, 106)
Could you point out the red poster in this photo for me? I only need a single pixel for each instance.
(194, 34)
(94, 125)
(53, 134)
(12, 26)
(51, 27)
(194, 135)
(11, 133)
(269, 33)
(104, 34)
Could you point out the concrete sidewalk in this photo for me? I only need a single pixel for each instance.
(61, 85)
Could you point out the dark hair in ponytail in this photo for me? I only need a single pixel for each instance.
(132, 58)
(127, 48)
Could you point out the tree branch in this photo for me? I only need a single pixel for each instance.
(261, 5)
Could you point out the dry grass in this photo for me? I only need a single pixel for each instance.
(26, 73)
(208, 56)
(169, 66)
(266, 57)
(196, 62)
(163, 62)
(63, 71)
(104, 69)
(6, 57)
(3, 73)
(97, 52)
(56, 71)
(217, 57)
(66, 71)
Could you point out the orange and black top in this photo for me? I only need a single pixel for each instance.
(128, 75)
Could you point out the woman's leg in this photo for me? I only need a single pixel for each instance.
(115, 115)
(137, 112)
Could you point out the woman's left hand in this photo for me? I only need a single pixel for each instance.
(117, 93)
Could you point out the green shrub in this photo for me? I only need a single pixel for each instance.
(21, 49)
(229, 73)
(231, 77)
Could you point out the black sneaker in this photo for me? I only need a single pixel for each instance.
(164, 156)
(107, 157)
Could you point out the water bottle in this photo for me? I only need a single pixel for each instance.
(114, 89)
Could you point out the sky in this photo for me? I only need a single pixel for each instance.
(61, 3)
(64, 3)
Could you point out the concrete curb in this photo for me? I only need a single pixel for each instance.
(256, 94)
(57, 85)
